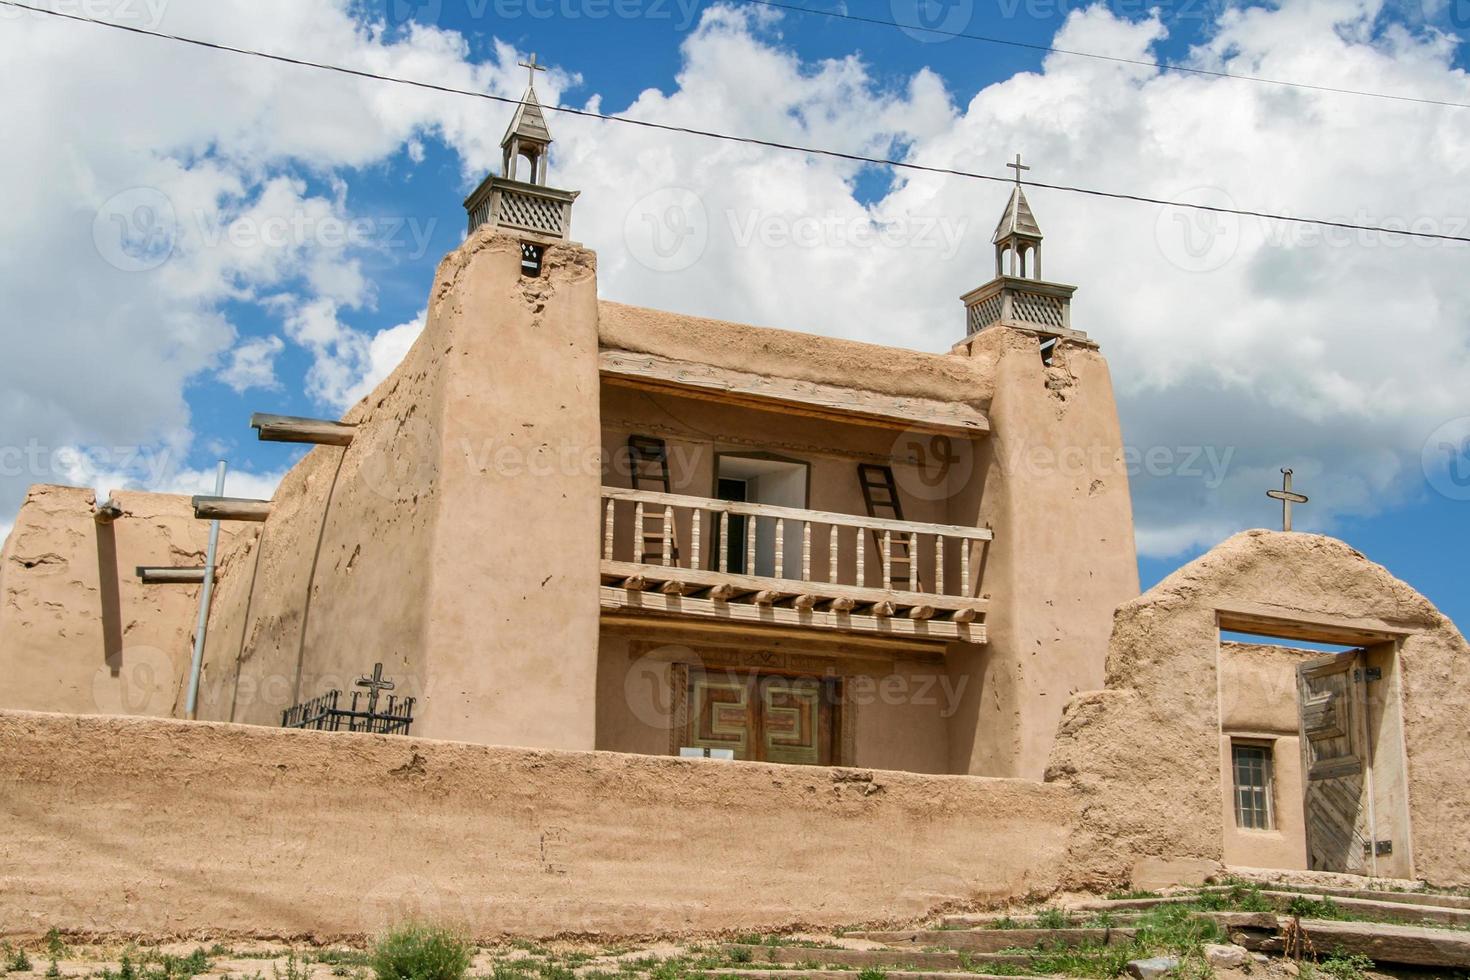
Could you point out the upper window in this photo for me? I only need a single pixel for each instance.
(1251, 763)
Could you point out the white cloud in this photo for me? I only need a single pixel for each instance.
(1264, 344)
(384, 353)
(253, 364)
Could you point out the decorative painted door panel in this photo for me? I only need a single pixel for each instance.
(1335, 765)
(764, 717)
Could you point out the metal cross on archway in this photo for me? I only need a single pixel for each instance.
(1287, 497)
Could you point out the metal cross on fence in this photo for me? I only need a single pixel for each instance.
(374, 684)
(1287, 498)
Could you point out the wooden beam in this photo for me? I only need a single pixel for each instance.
(804, 601)
(673, 587)
(634, 583)
(884, 609)
(766, 597)
(162, 575)
(724, 592)
(842, 604)
(731, 584)
(965, 615)
(209, 508)
(107, 511)
(921, 612)
(293, 428)
(1291, 624)
(853, 405)
(652, 607)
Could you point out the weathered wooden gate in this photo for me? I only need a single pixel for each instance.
(1335, 764)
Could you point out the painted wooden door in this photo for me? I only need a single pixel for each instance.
(1335, 765)
(764, 717)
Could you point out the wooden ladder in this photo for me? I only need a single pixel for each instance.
(648, 460)
(881, 493)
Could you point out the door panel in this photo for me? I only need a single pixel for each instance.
(1334, 764)
(764, 717)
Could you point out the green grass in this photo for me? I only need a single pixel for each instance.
(14, 960)
(1051, 918)
(420, 952)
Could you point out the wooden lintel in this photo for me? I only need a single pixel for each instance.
(853, 405)
(843, 598)
(155, 575)
(231, 509)
(292, 428)
(107, 511)
(653, 608)
(1291, 624)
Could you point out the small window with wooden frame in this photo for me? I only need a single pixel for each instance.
(1250, 766)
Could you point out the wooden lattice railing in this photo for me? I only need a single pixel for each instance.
(807, 559)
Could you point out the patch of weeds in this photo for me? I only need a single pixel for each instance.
(556, 971)
(295, 969)
(420, 952)
(15, 960)
(1102, 920)
(340, 957)
(1304, 907)
(741, 954)
(55, 946)
(506, 971)
(1052, 918)
(219, 949)
(53, 971)
(872, 974)
(1133, 894)
(1344, 966)
(1239, 897)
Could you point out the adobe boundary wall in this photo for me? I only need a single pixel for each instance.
(117, 826)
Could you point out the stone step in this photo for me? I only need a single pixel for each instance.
(995, 940)
(1132, 904)
(1380, 942)
(918, 959)
(849, 975)
(1078, 918)
(1376, 908)
(1434, 899)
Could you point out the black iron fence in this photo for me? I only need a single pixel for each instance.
(325, 712)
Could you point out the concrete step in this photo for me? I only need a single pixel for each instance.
(1078, 919)
(1381, 942)
(849, 975)
(1378, 908)
(917, 959)
(995, 940)
(1435, 899)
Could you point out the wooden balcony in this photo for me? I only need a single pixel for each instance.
(760, 565)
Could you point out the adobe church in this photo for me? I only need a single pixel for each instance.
(654, 540)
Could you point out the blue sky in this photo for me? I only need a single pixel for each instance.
(1345, 362)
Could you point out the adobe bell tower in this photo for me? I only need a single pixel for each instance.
(1018, 297)
(539, 214)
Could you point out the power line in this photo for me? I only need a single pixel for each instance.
(1144, 63)
(729, 138)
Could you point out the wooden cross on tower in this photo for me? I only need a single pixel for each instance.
(374, 684)
(1287, 498)
(1018, 166)
(531, 69)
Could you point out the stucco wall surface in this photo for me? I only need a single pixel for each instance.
(799, 356)
(78, 631)
(1145, 753)
(157, 828)
(1053, 483)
